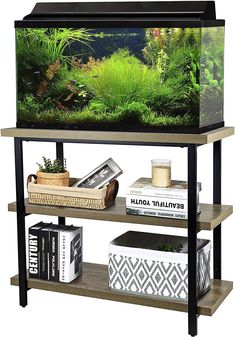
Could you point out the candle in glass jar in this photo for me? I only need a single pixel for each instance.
(161, 172)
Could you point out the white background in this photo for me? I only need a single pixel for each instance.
(60, 314)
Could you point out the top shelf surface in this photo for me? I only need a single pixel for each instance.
(114, 137)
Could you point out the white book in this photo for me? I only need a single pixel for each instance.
(70, 254)
(157, 203)
(156, 213)
(158, 206)
(177, 190)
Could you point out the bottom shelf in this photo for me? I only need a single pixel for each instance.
(94, 283)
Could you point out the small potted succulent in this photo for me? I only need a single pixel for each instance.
(52, 172)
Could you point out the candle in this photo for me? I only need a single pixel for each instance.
(161, 172)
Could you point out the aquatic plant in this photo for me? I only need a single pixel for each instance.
(168, 40)
(212, 75)
(121, 79)
(91, 63)
(177, 60)
(41, 53)
(47, 45)
(29, 106)
(97, 107)
(69, 91)
(133, 112)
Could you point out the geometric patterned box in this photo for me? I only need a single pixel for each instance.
(136, 265)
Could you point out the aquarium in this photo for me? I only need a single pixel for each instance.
(131, 67)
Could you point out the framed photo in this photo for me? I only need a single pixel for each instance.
(100, 176)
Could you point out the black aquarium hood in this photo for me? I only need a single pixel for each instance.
(74, 14)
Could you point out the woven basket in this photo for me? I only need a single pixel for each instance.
(58, 179)
(71, 196)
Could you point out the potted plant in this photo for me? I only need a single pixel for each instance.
(52, 172)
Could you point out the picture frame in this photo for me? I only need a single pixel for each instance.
(101, 175)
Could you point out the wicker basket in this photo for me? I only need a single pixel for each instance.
(71, 196)
(57, 179)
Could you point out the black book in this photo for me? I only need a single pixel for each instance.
(44, 240)
(34, 250)
(54, 254)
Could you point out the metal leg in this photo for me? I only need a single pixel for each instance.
(20, 209)
(60, 155)
(217, 200)
(192, 240)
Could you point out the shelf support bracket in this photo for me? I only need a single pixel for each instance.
(60, 156)
(20, 209)
(217, 150)
(192, 239)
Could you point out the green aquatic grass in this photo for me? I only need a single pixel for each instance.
(58, 117)
(121, 79)
(47, 45)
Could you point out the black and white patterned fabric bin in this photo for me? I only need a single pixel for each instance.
(136, 265)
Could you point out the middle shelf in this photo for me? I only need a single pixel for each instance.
(210, 217)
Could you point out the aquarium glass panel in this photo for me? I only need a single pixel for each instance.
(133, 78)
(212, 76)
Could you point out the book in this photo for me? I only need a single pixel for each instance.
(54, 251)
(171, 202)
(34, 250)
(144, 187)
(44, 240)
(54, 254)
(70, 260)
(157, 213)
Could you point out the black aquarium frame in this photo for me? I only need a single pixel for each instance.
(172, 14)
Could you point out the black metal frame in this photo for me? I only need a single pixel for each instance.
(192, 240)
(192, 220)
(217, 149)
(20, 212)
(60, 156)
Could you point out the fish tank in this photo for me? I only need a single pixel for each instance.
(151, 67)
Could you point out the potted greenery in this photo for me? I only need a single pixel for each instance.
(52, 173)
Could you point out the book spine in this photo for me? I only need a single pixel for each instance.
(44, 250)
(157, 213)
(53, 256)
(157, 203)
(70, 254)
(158, 192)
(177, 194)
(64, 257)
(34, 253)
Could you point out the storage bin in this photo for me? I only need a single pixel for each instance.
(91, 198)
(137, 266)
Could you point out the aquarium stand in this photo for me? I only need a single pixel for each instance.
(94, 280)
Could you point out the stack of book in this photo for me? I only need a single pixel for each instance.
(142, 198)
(55, 252)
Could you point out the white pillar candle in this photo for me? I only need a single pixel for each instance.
(161, 172)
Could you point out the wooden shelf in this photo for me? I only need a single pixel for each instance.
(210, 217)
(112, 137)
(94, 283)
